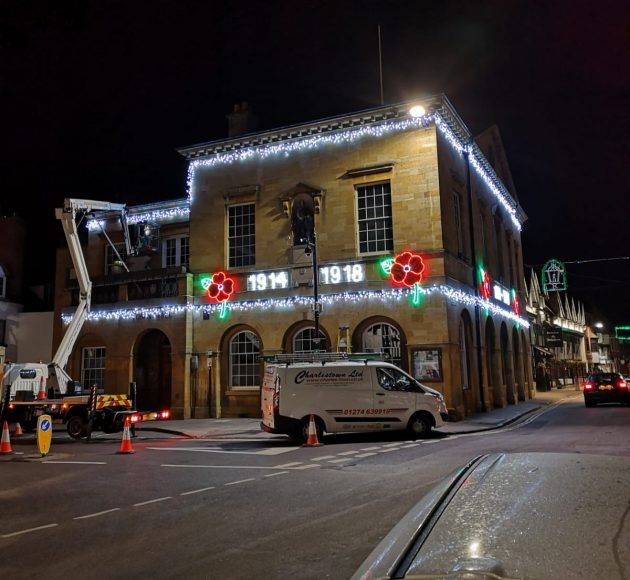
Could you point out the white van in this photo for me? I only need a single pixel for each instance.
(346, 396)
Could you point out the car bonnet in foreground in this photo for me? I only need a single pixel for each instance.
(529, 515)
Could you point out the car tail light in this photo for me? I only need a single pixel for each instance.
(621, 384)
(135, 418)
(588, 386)
(11, 406)
(166, 414)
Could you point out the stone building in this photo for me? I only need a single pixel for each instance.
(404, 227)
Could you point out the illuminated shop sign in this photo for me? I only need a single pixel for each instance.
(268, 281)
(342, 273)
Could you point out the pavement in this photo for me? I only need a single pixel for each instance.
(494, 419)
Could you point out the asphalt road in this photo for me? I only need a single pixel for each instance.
(248, 507)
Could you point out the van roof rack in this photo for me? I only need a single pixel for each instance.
(324, 357)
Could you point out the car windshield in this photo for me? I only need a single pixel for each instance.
(605, 377)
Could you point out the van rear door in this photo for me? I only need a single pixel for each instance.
(270, 397)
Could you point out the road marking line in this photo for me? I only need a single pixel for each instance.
(342, 459)
(347, 453)
(410, 445)
(78, 462)
(387, 450)
(366, 454)
(306, 467)
(96, 514)
(429, 442)
(371, 448)
(287, 465)
(240, 481)
(394, 444)
(196, 491)
(28, 531)
(225, 466)
(274, 474)
(323, 457)
(274, 451)
(152, 501)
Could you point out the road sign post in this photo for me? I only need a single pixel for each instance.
(44, 434)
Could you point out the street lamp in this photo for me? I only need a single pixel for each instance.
(311, 250)
(599, 325)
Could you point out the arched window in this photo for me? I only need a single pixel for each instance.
(304, 341)
(244, 365)
(383, 338)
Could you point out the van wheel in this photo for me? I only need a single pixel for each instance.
(419, 425)
(302, 434)
(76, 427)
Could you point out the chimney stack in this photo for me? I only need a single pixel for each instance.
(241, 120)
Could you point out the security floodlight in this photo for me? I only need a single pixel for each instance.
(417, 111)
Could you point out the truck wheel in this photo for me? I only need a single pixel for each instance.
(419, 425)
(76, 427)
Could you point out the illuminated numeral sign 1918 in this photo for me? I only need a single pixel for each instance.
(342, 274)
(268, 280)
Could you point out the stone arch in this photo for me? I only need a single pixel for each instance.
(517, 357)
(382, 334)
(152, 370)
(493, 365)
(467, 363)
(507, 365)
(303, 326)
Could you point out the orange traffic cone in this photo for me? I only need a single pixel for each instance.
(42, 389)
(18, 430)
(125, 444)
(312, 440)
(5, 442)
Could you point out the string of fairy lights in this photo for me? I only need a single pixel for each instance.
(454, 295)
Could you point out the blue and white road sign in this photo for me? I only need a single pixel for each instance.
(44, 434)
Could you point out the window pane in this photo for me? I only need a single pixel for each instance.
(241, 235)
(244, 365)
(93, 367)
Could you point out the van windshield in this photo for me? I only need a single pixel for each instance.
(395, 380)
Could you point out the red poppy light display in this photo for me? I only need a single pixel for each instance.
(407, 269)
(485, 285)
(516, 307)
(221, 288)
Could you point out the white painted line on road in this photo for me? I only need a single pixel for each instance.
(274, 474)
(274, 451)
(341, 460)
(432, 441)
(196, 491)
(240, 481)
(78, 462)
(347, 453)
(306, 467)
(96, 514)
(323, 457)
(287, 465)
(28, 531)
(152, 501)
(223, 466)
(394, 444)
(366, 455)
(388, 450)
(410, 445)
(371, 448)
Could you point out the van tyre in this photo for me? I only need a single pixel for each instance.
(419, 425)
(76, 427)
(302, 434)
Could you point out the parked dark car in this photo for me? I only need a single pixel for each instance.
(522, 515)
(605, 388)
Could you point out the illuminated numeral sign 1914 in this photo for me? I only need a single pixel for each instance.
(343, 273)
(268, 281)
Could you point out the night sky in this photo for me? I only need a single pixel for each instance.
(97, 94)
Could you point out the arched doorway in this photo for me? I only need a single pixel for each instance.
(382, 335)
(152, 371)
(517, 357)
(493, 365)
(507, 368)
(468, 381)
